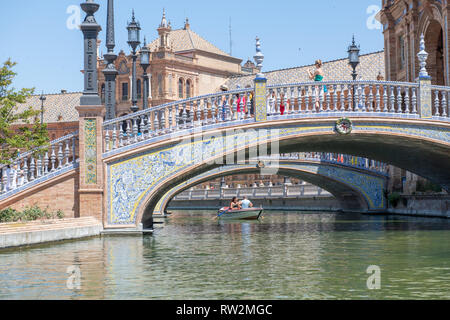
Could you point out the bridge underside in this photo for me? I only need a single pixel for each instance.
(423, 158)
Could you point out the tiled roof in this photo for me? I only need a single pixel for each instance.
(186, 40)
(57, 107)
(371, 65)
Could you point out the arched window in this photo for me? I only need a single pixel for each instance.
(188, 89)
(139, 88)
(180, 88)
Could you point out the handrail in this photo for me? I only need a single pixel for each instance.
(27, 168)
(395, 99)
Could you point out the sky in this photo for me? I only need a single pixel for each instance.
(42, 38)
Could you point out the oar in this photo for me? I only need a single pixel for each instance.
(218, 216)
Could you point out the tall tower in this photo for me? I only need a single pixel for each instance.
(110, 71)
(163, 31)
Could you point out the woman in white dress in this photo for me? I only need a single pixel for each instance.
(271, 103)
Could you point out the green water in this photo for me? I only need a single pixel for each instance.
(285, 256)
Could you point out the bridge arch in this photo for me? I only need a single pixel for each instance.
(354, 188)
(138, 178)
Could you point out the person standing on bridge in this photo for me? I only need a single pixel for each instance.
(282, 106)
(317, 76)
(271, 103)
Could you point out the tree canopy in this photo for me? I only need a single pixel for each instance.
(20, 131)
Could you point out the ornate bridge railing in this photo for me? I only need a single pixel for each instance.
(441, 101)
(29, 169)
(171, 117)
(344, 98)
(340, 159)
(274, 192)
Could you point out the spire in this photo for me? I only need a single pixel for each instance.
(163, 20)
(110, 38)
(187, 26)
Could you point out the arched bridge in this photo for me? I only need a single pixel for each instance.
(358, 184)
(127, 164)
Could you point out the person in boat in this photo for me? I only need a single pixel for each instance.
(235, 204)
(246, 204)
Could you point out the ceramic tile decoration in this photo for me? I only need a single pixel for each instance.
(131, 180)
(91, 151)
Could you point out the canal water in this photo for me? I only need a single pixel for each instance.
(285, 256)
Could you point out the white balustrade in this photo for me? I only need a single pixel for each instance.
(301, 99)
(39, 163)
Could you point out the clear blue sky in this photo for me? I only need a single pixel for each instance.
(293, 32)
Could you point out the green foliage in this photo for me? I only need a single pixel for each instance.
(393, 199)
(60, 214)
(9, 215)
(31, 134)
(29, 214)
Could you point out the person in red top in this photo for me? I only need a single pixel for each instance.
(282, 106)
(238, 103)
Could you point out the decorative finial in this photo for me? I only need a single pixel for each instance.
(259, 58)
(132, 17)
(90, 7)
(423, 56)
(163, 20)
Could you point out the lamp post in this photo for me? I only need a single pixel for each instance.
(134, 30)
(90, 29)
(42, 98)
(110, 71)
(145, 63)
(353, 60)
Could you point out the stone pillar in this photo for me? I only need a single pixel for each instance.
(261, 99)
(91, 165)
(425, 102)
(91, 113)
(425, 95)
(260, 86)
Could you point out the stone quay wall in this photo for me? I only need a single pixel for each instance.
(423, 205)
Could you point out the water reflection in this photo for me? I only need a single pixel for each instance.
(285, 256)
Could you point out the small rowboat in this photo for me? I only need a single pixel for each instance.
(243, 214)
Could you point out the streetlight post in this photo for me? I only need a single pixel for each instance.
(353, 60)
(145, 63)
(110, 71)
(42, 98)
(134, 30)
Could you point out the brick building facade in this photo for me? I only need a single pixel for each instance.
(403, 22)
(182, 65)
